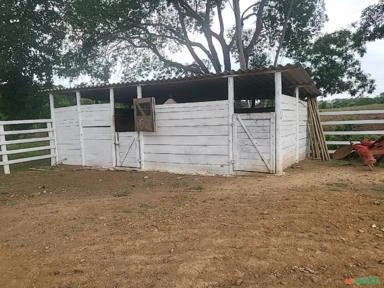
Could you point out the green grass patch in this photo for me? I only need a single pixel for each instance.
(378, 188)
(336, 186)
(119, 194)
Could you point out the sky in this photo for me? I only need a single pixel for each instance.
(341, 14)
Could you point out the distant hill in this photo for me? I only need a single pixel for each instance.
(358, 103)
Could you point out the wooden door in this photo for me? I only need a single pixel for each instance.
(254, 142)
(127, 149)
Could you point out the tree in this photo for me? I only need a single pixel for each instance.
(333, 60)
(371, 26)
(115, 30)
(31, 35)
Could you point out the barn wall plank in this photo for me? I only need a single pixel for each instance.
(189, 138)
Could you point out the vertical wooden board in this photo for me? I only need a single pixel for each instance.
(67, 135)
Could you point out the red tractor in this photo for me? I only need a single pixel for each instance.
(370, 151)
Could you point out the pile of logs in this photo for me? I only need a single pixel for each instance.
(318, 146)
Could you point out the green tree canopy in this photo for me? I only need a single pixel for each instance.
(31, 35)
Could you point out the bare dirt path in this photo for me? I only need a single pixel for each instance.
(313, 227)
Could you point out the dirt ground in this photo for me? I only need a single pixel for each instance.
(313, 227)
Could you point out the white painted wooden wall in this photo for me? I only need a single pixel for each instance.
(303, 120)
(96, 135)
(190, 137)
(96, 124)
(68, 135)
(260, 140)
(288, 130)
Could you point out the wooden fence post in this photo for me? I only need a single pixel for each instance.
(4, 150)
(55, 160)
(297, 94)
(141, 136)
(113, 129)
(51, 143)
(78, 103)
(231, 101)
(279, 116)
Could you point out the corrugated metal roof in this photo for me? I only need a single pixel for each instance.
(295, 75)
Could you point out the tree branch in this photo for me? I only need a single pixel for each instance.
(239, 35)
(285, 26)
(259, 27)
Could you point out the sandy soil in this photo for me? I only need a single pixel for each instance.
(313, 227)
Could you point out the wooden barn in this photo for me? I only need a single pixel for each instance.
(253, 120)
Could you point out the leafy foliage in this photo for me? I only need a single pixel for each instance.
(31, 34)
(351, 102)
(334, 63)
(113, 32)
(372, 22)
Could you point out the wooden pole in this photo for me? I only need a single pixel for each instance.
(231, 103)
(141, 136)
(52, 110)
(113, 128)
(278, 122)
(78, 103)
(4, 151)
(297, 94)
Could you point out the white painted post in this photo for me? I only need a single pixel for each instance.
(231, 101)
(55, 151)
(297, 94)
(278, 122)
(4, 150)
(113, 129)
(78, 103)
(51, 143)
(141, 136)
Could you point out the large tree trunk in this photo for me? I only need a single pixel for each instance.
(239, 35)
(285, 26)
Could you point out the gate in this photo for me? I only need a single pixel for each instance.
(254, 142)
(127, 149)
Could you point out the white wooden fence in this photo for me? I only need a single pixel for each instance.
(351, 114)
(28, 136)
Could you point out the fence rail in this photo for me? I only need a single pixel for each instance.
(10, 129)
(347, 130)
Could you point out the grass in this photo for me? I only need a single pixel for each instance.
(119, 194)
(356, 108)
(378, 188)
(336, 186)
(27, 165)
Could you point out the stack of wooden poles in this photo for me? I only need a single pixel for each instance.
(318, 146)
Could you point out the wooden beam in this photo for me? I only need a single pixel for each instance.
(53, 119)
(278, 122)
(113, 128)
(141, 135)
(372, 132)
(78, 104)
(333, 113)
(3, 146)
(231, 104)
(357, 122)
(297, 95)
